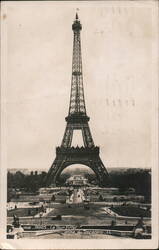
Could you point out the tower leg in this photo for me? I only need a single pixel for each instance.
(51, 176)
(101, 172)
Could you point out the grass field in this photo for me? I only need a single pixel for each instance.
(22, 212)
(131, 211)
(77, 211)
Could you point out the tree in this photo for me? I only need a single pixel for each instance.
(101, 198)
(53, 198)
(115, 199)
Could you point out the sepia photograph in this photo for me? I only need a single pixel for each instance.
(79, 124)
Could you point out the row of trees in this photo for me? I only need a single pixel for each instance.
(30, 183)
(139, 179)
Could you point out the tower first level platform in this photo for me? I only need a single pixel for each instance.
(78, 155)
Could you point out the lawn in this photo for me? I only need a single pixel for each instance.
(22, 212)
(131, 211)
(77, 211)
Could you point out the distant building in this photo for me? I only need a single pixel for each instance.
(77, 180)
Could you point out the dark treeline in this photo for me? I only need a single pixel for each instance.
(139, 179)
(30, 183)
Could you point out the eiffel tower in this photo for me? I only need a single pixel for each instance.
(77, 119)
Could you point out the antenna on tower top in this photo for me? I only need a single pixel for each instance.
(77, 9)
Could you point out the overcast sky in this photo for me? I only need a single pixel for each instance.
(118, 44)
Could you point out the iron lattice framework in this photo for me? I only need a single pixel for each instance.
(77, 119)
(77, 103)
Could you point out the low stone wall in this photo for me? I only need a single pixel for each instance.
(38, 230)
(88, 232)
